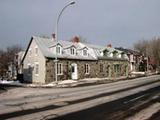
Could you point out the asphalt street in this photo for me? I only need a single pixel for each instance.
(76, 103)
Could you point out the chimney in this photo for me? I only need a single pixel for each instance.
(109, 45)
(75, 39)
(54, 35)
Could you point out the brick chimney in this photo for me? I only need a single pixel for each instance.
(54, 35)
(109, 45)
(75, 39)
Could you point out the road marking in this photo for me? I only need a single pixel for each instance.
(134, 99)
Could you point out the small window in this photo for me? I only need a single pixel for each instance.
(36, 68)
(36, 50)
(29, 69)
(106, 53)
(30, 52)
(87, 69)
(85, 52)
(117, 68)
(73, 51)
(59, 69)
(115, 54)
(123, 55)
(58, 50)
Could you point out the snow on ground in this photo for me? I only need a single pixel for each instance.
(64, 82)
(52, 84)
(9, 82)
(68, 82)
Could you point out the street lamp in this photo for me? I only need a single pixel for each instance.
(56, 35)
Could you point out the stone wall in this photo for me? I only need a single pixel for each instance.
(107, 71)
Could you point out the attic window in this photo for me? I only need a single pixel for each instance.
(115, 54)
(85, 52)
(105, 52)
(73, 51)
(122, 55)
(58, 49)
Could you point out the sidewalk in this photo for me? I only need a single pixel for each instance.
(81, 82)
(71, 83)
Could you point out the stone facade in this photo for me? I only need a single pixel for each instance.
(76, 60)
(102, 68)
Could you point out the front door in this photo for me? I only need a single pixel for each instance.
(74, 72)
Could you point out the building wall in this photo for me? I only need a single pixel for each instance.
(107, 69)
(31, 60)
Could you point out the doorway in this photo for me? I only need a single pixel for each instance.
(74, 72)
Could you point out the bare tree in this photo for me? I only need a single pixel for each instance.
(7, 57)
(150, 48)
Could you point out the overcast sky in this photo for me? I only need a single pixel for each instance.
(119, 22)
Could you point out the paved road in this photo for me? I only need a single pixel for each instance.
(132, 107)
(45, 103)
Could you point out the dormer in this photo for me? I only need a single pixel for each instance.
(59, 49)
(73, 50)
(122, 55)
(56, 49)
(85, 51)
(106, 53)
(115, 53)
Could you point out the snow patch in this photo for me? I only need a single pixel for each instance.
(9, 82)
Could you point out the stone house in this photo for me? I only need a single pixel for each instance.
(76, 60)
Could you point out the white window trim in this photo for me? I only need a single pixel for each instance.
(36, 53)
(36, 63)
(60, 50)
(87, 71)
(86, 52)
(71, 51)
(60, 72)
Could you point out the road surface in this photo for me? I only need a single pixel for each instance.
(76, 103)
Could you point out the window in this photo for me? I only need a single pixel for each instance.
(36, 50)
(105, 53)
(58, 50)
(117, 69)
(59, 69)
(87, 69)
(101, 67)
(36, 68)
(123, 55)
(85, 52)
(29, 69)
(115, 54)
(73, 51)
(30, 52)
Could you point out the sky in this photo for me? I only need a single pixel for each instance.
(118, 22)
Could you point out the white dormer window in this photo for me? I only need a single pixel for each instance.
(85, 53)
(106, 53)
(122, 55)
(59, 49)
(73, 51)
(115, 54)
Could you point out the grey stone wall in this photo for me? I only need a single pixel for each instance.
(108, 69)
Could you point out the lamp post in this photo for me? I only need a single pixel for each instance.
(56, 36)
